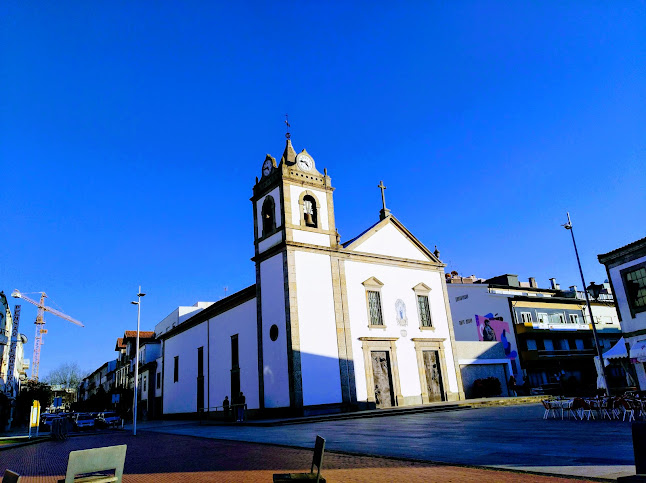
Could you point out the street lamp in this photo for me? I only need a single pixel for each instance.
(568, 226)
(134, 412)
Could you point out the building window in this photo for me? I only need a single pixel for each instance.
(200, 361)
(526, 317)
(424, 311)
(564, 345)
(374, 308)
(309, 211)
(557, 318)
(144, 383)
(634, 279)
(268, 216)
(158, 380)
(543, 318)
(579, 344)
(531, 345)
(423, 306)
(176, 369)
(574, 318)
(549, 346)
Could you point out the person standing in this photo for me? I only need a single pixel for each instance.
(241, 403)
(225, 407)
(511, 386)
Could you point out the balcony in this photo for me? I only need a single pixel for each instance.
(558, 354)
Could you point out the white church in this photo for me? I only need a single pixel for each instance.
(328, 326)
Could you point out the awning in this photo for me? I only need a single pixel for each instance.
(638, 351)
(617, 351)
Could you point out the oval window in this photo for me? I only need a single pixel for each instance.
(273, 332)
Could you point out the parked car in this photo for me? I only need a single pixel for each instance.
(46, 420)
(108, 418)
(83, 420)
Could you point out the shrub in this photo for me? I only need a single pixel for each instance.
(487, 387)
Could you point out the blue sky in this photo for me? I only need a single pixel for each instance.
(131, 134)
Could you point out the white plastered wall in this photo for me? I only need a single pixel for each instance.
(272, 293)
(239, 320)
(628, 323)
(321, 205)
(398, 284)
(317, 329)
(181, 396)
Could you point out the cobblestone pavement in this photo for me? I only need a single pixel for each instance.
(156, 457)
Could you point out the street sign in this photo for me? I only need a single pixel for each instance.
(35, 415)
(58, 402)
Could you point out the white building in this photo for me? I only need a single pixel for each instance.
(13, 365)
(327, 325)
(545, 333)
(626, 268)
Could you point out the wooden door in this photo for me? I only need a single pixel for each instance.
(384, 397)
(434, 384)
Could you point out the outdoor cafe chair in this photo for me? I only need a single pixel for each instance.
(549, 409)
(582, 407)
(96, 460)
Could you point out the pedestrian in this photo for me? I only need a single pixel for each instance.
(241, 404)
(511, 385)
(225, 407)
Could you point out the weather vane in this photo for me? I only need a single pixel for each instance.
(287, 135)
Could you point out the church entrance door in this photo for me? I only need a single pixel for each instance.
(382, 376)
(433, 376)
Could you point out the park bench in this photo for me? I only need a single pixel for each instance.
(96, 460)
(317, 460)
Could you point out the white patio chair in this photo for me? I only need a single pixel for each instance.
(96, 460)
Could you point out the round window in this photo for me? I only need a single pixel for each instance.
(273, 332)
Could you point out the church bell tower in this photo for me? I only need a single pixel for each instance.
(294, 233)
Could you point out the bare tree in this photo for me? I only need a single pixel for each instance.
(69, 375)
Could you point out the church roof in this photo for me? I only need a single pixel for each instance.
(390, 220)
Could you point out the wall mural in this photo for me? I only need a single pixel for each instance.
(491, 328)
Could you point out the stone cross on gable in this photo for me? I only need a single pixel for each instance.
(384, 212)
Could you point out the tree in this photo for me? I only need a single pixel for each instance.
(30, 391)
(68, 375)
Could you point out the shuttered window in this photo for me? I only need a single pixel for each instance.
(374, 304)
(424, 311)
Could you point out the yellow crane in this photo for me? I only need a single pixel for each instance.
(40, 322)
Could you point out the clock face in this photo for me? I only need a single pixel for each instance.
(266, 167)
(304, 162)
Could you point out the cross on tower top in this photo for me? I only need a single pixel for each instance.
(384, 212)
(287, 135)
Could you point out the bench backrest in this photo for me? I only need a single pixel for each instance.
(317, 460)
(96, 459)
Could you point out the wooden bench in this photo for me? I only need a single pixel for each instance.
(10, 477)
(317, 460)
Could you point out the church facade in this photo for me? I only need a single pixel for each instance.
(327, 325)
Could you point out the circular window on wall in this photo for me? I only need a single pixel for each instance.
(273, 332)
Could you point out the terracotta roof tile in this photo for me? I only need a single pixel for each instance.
(143, 334)
(120, 344)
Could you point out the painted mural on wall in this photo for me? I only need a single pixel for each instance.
(491, 328)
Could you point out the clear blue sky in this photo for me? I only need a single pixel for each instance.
(131, 134)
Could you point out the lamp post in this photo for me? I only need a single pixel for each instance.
(568, 226)
(134, 411)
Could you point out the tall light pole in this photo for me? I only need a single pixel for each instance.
(568, 226)
(134, 411)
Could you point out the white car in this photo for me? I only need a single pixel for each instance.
(84, 420)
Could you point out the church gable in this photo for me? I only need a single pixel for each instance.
(390, 238)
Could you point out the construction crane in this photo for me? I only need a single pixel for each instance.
(40, 322)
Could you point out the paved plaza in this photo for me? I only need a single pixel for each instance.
(514, 437)
(156, 457)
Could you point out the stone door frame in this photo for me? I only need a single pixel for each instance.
(421, 345)
(385, 344)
